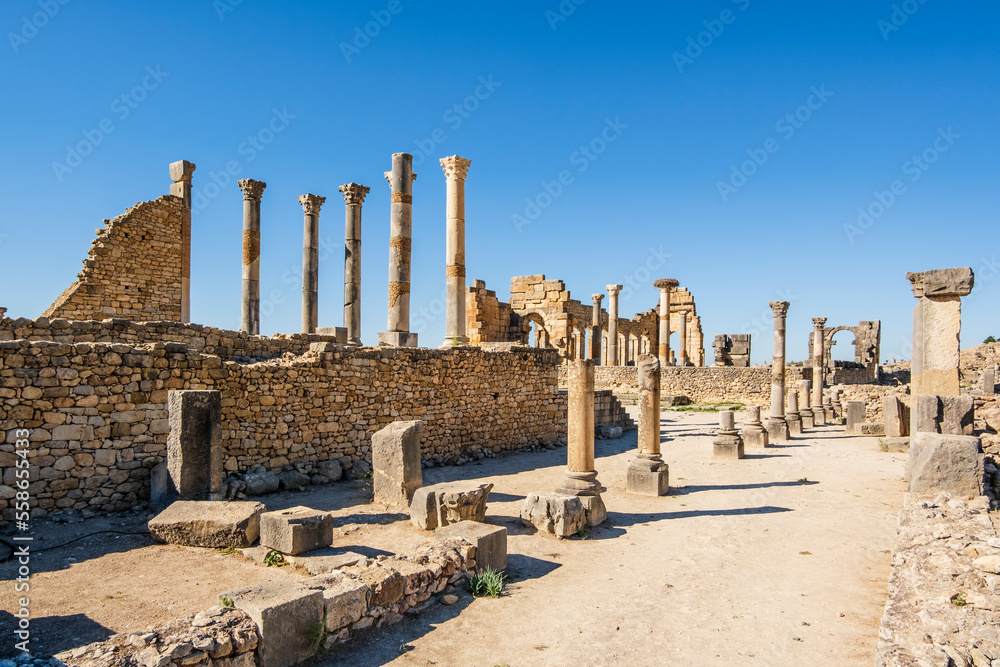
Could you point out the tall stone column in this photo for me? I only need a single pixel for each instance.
(581, 478)
(937, 322)
(819, 370)
(648, 475)
(595, 329)
(181, 173)
(682, 343)
(252, 192)
(311, 205)
(354, 197)
(777, 428)
(400, 236)
(805, 412)
(612, 356)
(663, 349)
(455, 170)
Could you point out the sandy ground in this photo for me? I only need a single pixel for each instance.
(779, 559)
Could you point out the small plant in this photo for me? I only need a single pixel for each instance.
(488, 583)
(314, 636)
(805, 553)
(802, 480)
(582, 534)
(796, 639)
(959, 600)
(226, 551)
(226, 602)
(274, 558)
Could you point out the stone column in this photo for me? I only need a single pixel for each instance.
(354, 197)
(682, 353)
(805, 412)
(937, 322)
(612, 356)
(400, 235)
(194, 444)
(181, 173)
(648, 475)
(753, 433)
(252, 192)
(792, 416)
(819, 370)
(777, 428)
(595, 329)
(455, 170)
(311, 205)
(727, 444)
(663, 349)
(581, 478)
(989, 382)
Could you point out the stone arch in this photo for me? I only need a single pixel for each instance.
(542, 334)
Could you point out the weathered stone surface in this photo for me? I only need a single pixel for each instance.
(897, 444)
(194, 444)
(208, 523)
(896, 417)
(594, 510)
(259, 483)
(989, 382)
(443, 504)
(386, 585)
(948, 463)
(490, 542)
(646, 481)
(954, 415)
(325, 560)
(162, 492)
(293, 480)
(753, 432)
(345, 599)
(559, 515)
(286, 614)
(396, 463)
(855, 416)
(296, 530)
(942, 282)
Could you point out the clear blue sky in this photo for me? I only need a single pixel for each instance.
(881, 93)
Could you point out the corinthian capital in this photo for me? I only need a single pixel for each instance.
(252, 190)
(455, 167)
(354, 193)
(819, 322)
(311, 203)
(779, 308)
(665, 284)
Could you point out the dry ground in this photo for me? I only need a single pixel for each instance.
(779, 559)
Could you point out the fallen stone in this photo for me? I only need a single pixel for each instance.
(287, 616)
(610, 432)
(386, 584)
(325, 560)
(490, 542)
(194, 443)
(561, 516)
(331, 469)
(949, 463)
(443, 504)
(896, 417)
(869, 428)
(296, 530)
(896, 444)
(259, 483)
(345, 599)
(449, 599)
(293, 480)
(208, 523)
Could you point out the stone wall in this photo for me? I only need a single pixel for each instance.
(715, 384)
(133, 268)
(98, 416)
(489, 320)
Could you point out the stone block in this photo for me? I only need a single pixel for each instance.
(942, 282)
(287, 617)
(777, 430)
(869, 428)
(594, 510)
(794, 423)
(896, 417)
(949, 463)
(386, 585)
(755, 435)
(338, 333)
(561, 516)
(208, 523)
(325, 560)
(396, 468)
(259, 483)
(896, 444)
(194, 444)
(397, 339)
(345, 599)
(443, 504)
(989, 382)
(806, 417)
(162, 492)
(855, 416)
(296, 530)
(645, 482)
(490, 542)
(728, 447)
(951, 415)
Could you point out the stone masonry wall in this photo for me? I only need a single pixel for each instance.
(133, 268)
(98, 416)
(714, 384)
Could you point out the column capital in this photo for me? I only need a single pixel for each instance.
(779, 308)
(614, 289)
(311, 203)
(819, 322)
(597, 299)
(354, 193)
(942, 282)
(252, 190)
(664, 284)
(181, 171)
(455, 167)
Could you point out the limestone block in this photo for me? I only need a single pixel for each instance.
(989, 382)
(490, 542)
(208, 523)
(896, 444)
(345, 599)
(396, 463)
(643, 481)
(443, 504)
(194, 444)
(868, 428)
(952, 415)
(806, 417)
(559, 515)
(286, 614)
(777, 430)
(896, 416)
(161, 488)
(259, 483)
(728, 447)
(794, 423)
(296, 530)
(594, 510)
(386, 584)
(950, 463)
(855, 416)
(942, 282)
(753, 433)
(397, 339)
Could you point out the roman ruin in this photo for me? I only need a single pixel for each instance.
(354, 198)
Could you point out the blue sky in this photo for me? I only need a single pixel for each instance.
(728, 144)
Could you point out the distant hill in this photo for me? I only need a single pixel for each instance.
(982, 356)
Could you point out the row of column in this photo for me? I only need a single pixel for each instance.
(665, 285)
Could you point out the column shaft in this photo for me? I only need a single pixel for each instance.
(310, 261)
(252, 192)
(455, 169)
(181, 173)
(595, 329)
(612, 356)
(354, 197)
(400, 239)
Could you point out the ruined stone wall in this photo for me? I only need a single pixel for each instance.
(133, 268)
(751, 386)
(98, 416)
(489, 320)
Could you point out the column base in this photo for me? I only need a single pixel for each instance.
(339, 333)
(584, 485)
(728, 446)
(819, 416)
(806, 416)
(754, 435)
(593, 507)
(454, 341)
(777, 429)
(397, 339)
(647, 476)
(794, 424)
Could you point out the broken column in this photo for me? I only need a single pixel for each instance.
(818, 370)
(805, 412)
(581, 479)
(792, 417)
(612, 356)
(354, 197)
(648, 475)
(777, 429)
(663, 351)
(753, 432)
(311, 205)
(937, 321)
(682, 344)
(896, 415)
(989, 382)
(252, 191)
(194, 444)
(181, 173)
(396, 472)
(400, 237)
(455, 170)
(727, 444)
(595, 329)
